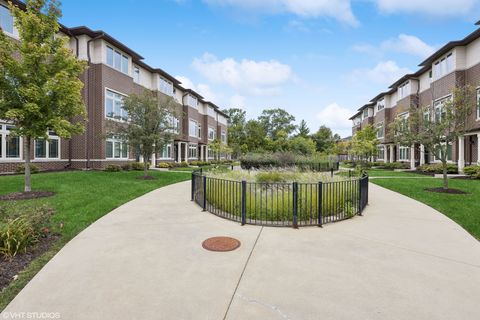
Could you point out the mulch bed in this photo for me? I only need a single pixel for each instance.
(146, 178)
(27, 195)
(9, 268)
(448, 191)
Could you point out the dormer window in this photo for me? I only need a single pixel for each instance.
(380, 105)
(404, 90)
(6, 19)
(117, 60)
(365, 114)
(192, 101)
(443, 66)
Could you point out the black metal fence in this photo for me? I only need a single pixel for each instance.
(281, 204)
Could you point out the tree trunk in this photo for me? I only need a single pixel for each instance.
(28, 175)
(145, 166)
(445, 177)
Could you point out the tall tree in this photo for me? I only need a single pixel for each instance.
(40, 88)
(303, 130)
(438, 128)
(364, 143)
(255, 136)
(150, 125)
(276, 120)
(236, 129)
(324, 139)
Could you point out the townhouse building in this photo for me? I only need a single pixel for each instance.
(456, 64)
(114, 72)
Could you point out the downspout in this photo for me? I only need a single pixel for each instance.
(87, 94)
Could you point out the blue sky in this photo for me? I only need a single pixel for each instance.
(318, 59)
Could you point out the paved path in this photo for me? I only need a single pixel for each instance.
(402, 260)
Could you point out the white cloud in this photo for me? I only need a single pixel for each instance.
(403, 43)
(237, 101)
(336, 117)
(385, 72)
(203, 89)
(338, 9)
(253, 77)
(428, 7)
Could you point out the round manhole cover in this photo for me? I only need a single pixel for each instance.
(221, 244)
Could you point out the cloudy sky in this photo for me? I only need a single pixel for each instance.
(318, 59)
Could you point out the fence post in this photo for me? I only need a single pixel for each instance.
(331, 172)
(360, 197)
(204, 193)
(193, 186)
(232, 167)
(244, 202)
(320, 204)
(295, 205)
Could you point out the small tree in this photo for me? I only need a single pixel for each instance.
(303, 130)
(364, 143)
(150, 124)
(40, 89)
(438, 128)
(218, 147)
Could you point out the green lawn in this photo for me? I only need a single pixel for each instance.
(387, 173)
(81, 198)
(463, 209)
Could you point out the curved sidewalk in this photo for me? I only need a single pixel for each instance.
(401, 260)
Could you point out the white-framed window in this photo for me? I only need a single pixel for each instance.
(404, 90)
(114, 106)
(193, 128)
(211, 133)
(443, 66)
(380, 130)
(192, 101)
(365, 113)
(439, 108)
(403, 120)
(426, 114)
(192, 151)
(117, 60)
(404, 153)
(478, 103)
(357, 121)
(116, 148)
(167, 152)
(10, 146)
(47, 149)
(136, 74)
(210, 154)
(6, 19)
(175, 124)
(381, 152)
(211, 112)
(449, 153)
(199, 131)
(166, 87)
(380, 104)
(224, 137)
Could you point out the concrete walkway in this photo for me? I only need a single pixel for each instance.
(402, 260)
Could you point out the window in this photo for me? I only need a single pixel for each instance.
(10, 146)
(224, 137)
(175, 124)
(192, 101)
(449, 153)
(439, 108)
(380, 105)
(192, 151)
(478, 104)
(380, 131)
(404, 153)
(6, 19)
(165, 87)
(211, 133)
(404, 90)
(381, 152)
(200, 131)
(443, 66)
(167, 152)
(116, 148)
(365, 114)
(48, 149)
(426, 115)
(403, 121)
(211, 112)
(114, 106)
(117, 60)
(211, 154)
(357, 121)
(136, 75)
(193, 128)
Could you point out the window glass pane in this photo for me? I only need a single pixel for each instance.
(109, 107)
(124, 150)
(1, 144)
(13, 147)
(53, 148)
(40, 149)
(118, 147)
(117, 60)
(110, 56)
(109, 151)
(6, 19)
(136, 75)
(124, 64)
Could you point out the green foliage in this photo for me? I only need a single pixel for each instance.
(473, 171)
(236, 130)
(40, 87)
(20, 169)
(275, 120)
(391, 165)
(138, 166)
(165, 165)
(324, 140)
(437, 168)
(113, 168)
(271, 177)
(303, 130)
(284, 160)
(301, 145)
(364, 143)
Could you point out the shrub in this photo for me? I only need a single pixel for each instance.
(113, 168)
(473, 171)
(392, 165)
(21, 169)
(165, 165)
(270, 177)
(437, 168)
(127, 167)
(138, 166)
(284, 160)
(183, 164)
